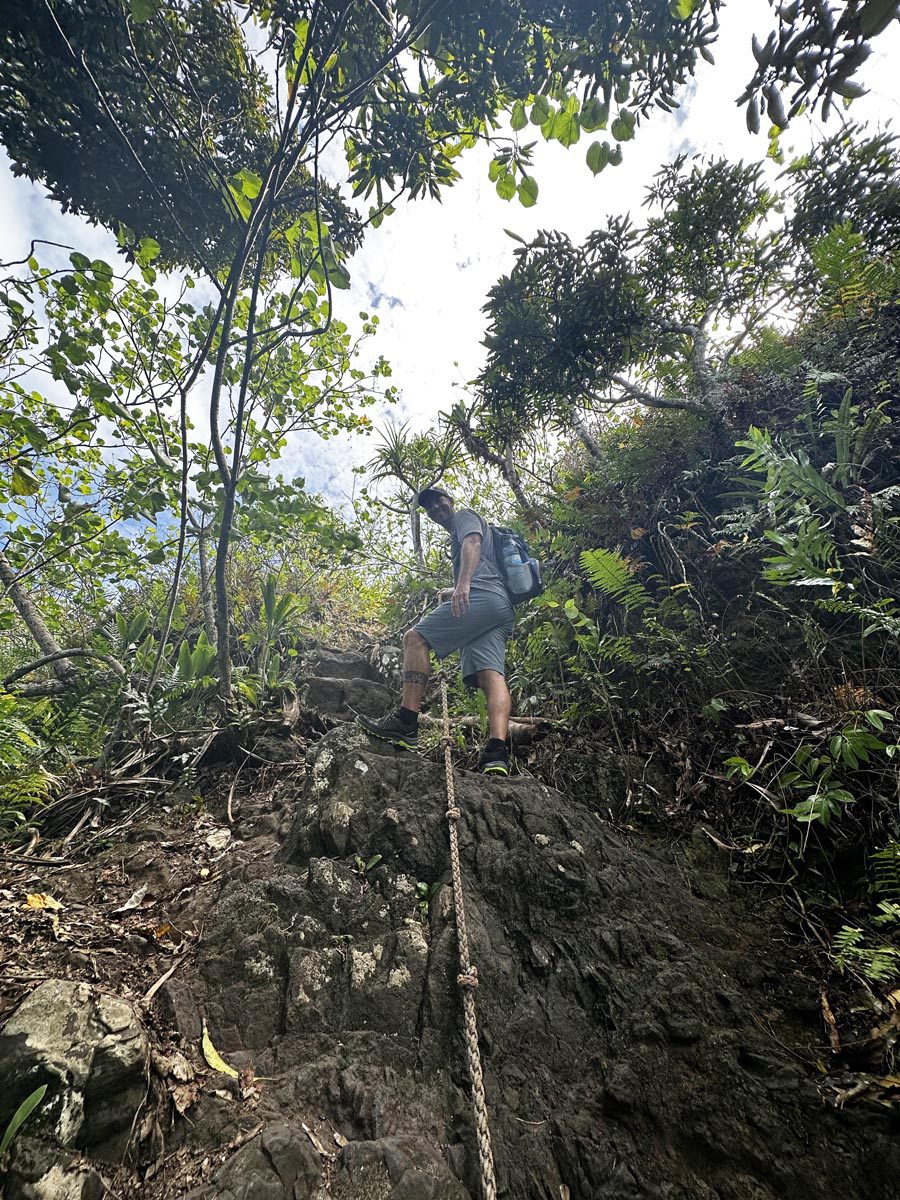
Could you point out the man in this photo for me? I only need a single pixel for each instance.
(477, 620)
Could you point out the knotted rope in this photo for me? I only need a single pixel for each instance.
(468, 973)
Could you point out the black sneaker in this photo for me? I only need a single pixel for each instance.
(393, 729)
(494, 762)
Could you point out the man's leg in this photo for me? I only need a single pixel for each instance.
(401, 727)
(416, 669)
(499, 702)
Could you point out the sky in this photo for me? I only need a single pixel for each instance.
(427, 270)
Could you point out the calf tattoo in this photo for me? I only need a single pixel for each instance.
(415, 677)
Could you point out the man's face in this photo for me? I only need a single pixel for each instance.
(440, 509)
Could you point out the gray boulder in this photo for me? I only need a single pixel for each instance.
(345, 696)
(41, 1171)
(91, 1051)
(337, 664)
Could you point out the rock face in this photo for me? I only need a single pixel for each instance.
(341, 683)
(345, 696)
(92, 1052)
(626, 1009)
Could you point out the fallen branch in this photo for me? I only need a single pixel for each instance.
(522, 729)
(64, 656)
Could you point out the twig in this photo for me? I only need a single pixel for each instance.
(109, 1191)
(833, 1035)
(151, 991)
(20, 262)
(61, 656)
(69, 836)
(50, 862)
(237, 776)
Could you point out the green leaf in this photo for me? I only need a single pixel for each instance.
(147, 251)
(681, 10)
(21, 1115)
(24, 482)
(594, 115)
(143, 10)
(517, 119)
(541, 110)
(506, 186)
(339, 277)
(250, 183)
(528, 191)
(876, 16)
(301, 32)
(242, 204)
(566, 129)
(622, 127)
(597, 156)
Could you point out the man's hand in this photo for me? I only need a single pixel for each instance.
(444, 594)
(459, 600)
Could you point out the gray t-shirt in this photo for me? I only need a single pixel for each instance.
(487, 575)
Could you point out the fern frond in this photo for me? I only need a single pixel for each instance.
(886, 865)
(613, 575)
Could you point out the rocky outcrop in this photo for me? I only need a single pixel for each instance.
(344, 697)
(92, 1053)
(339, 682)
(637, 1039)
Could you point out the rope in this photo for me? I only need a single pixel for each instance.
(468, 973)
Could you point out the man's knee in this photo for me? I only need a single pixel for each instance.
(413, 640)
(492, 681)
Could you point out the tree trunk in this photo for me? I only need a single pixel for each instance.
(62, 667)
(504, 463)
(511, 475)
(415, 528)
(587, 439)
(206, 590)
(223, 623)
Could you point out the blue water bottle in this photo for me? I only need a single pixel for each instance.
(518, 570)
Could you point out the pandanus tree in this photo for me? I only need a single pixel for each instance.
(406, 463)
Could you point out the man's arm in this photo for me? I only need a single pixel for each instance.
(470, 557)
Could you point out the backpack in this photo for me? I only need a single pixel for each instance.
(519, 570)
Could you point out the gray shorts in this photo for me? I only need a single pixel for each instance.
(479, 634)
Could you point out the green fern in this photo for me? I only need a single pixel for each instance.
(613, 575)
(878, 962)
(886, 864)
(853, 948)
(880, 618)
(790, 477)
(24, 784)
